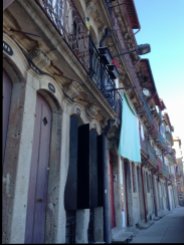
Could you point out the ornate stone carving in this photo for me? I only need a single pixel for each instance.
(92, 111)
(72, 89)
(94, 12)
(39, 58)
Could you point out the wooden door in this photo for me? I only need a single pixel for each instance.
(37, 196)
(7, 91)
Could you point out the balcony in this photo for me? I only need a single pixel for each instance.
(65, 17)
(103, 72)
(154, 159)
(150, 154)
(154, 127)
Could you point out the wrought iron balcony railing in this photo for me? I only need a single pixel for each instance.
(155, 159)
(154, 126)
(149, 151)
(65, 17)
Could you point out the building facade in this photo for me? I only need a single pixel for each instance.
(179, 171)
(64, 80)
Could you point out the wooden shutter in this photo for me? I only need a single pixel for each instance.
(87, 168)
(83, 167)
(71, 183)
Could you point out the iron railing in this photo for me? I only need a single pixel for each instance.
(99, 73)
(151, 154)
(154, 126)
(65, 17)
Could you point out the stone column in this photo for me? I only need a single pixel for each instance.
(24, 164)
(98, 225)
(82, 223)
(64, 164)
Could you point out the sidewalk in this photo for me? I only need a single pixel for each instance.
(169, 229)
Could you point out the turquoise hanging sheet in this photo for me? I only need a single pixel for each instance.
(129, 143)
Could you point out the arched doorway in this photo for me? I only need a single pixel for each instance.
(38, 183)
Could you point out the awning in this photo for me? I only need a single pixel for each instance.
(129, 142)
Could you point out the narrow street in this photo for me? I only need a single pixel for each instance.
(169, 229)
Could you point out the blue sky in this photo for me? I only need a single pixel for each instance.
(162, 26)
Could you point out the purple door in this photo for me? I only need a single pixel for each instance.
(37, 197)
(7, 91)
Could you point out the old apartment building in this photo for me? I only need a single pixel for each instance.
(87, 142)
(179, 168)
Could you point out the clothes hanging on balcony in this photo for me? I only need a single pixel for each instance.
(129, 142)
